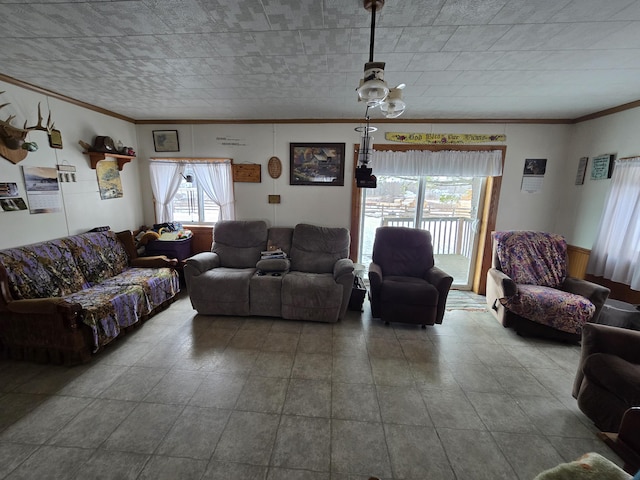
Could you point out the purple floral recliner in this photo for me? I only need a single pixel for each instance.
(528, 288)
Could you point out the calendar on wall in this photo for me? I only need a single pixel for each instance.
(43, 189)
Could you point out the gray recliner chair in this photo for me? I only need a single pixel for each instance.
(405, 284)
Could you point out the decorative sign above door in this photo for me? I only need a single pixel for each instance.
(443, 138)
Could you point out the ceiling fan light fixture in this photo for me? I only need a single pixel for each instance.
(373, 89)
(393, 106)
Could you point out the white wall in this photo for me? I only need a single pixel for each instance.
(518, 209)
(582, 204)
(82, 208)
(330, 205)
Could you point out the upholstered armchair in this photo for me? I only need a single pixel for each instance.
(528, 288)
(607, 381)
(405, 285)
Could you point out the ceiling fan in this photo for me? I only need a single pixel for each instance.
(372, 88)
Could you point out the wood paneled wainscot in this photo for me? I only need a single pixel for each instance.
(202, 238)
(578, 260)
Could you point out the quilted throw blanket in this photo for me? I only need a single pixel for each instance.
(532, 258)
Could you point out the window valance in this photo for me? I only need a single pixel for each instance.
(449, 163)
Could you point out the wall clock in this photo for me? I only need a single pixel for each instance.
(274, 167)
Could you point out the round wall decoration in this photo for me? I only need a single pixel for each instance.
(274, 167)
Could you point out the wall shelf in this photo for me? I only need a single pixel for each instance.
(95, 157)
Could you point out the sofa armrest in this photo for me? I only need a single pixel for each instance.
(438, 278)
(596, 338)
(343, 266)
(158, 261)
(50, 305)
(375, 276)
(594, 292)
(442, 281)
(129, 243)
(203, 261)
(505, 287)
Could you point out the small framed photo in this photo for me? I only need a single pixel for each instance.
(166, 141)
(55, 139)
(317, 164)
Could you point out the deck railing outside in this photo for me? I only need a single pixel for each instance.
(450, 235)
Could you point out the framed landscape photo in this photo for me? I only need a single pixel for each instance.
(166, 141)
(317, 164)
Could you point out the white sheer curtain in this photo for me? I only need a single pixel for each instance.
(615, 254)
(450, 163)
(165, 181)
(216, 180)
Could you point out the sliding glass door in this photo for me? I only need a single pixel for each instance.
(448, 207)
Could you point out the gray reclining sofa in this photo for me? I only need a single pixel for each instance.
(313, 283)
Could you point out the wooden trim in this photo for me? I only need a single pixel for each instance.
(64, 98)
(230, 121)
(488, 224)
(577, 260)
(608, 111)
(249, 121)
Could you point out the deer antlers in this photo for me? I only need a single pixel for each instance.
(14, 137)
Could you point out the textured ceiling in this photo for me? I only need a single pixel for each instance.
(285, 59)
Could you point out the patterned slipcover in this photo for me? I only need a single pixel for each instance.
(536, 262)
(92, 270)
(42, 270)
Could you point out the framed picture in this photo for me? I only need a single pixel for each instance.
(582, 169)
(55, 139)
(602, 167)
(166, 141)
(317, 164)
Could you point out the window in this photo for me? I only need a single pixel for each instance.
(195, 192)
(191, 204)
(448, 207)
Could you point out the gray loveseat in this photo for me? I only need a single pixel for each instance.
(313, 283)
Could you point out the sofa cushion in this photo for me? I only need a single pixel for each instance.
(561, 310)
(42, 270)
(408, 290)
(239, 243)
(158, 284)
(222, 291)
(100, 255)
(316, 249)
(280, 237)
(309, 296)
(108, 309)
(615, 375)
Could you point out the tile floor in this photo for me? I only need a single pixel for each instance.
(193, 397)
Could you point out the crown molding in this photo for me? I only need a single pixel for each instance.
(64, 98)
(249, 121)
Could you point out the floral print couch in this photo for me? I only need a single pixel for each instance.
(62, 300)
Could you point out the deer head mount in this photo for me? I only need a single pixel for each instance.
(13, 144)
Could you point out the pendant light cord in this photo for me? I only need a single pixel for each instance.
(373, 29)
